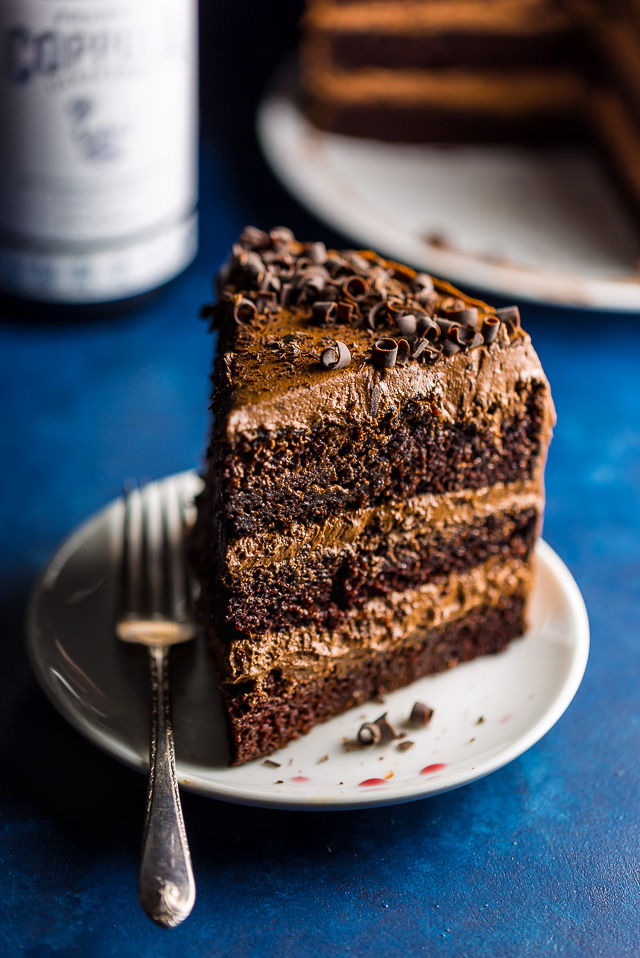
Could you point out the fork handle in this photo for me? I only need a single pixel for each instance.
(166, 888)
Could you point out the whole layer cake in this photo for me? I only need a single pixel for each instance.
(535, 71)
(374, 482)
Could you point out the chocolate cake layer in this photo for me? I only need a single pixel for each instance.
(420, 124)
(382, 624)
(310, 476)
(361, 50)
(294, 594)
(283, 710)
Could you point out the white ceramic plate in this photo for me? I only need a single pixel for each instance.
(539, 225)
(101, 687)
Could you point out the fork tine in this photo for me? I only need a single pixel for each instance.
(174, 530)
(131, 585)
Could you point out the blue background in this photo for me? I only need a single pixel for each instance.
(541, 858)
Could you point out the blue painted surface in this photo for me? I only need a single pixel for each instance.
(541, 858)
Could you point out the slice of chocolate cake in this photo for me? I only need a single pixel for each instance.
(374, 482)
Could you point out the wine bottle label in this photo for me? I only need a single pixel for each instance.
(98, 117)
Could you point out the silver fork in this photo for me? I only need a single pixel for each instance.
(155, 610)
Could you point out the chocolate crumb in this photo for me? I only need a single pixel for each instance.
(404, 746)
(279, 782)
(421, 714)
(325, 758)
(481, 720)
(271, 764)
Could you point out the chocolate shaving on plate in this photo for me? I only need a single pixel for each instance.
(271, 764)
(404, 746)
(384, 353)
(421, 714)
(336, 357)
(387, 730)
(369, 733)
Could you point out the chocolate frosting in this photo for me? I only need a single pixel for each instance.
(380, 626)
(269, 361)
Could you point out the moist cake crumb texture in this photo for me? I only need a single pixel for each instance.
(373, 484)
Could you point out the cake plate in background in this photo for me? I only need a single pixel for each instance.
(539, 225)
(486, 712)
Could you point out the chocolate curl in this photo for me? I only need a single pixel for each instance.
(267, 300)
(355, 287)
(281, 236)
(477, 341)
(324, 313)
(253, 238)
(422, 282)
(421, 714)
(384, 353)
(404, 351)
(288, 295)
(317, 253)
(357, 263)
(378, 280)
(303, 263)
(336, 357)
(466, 317)
(419, 348)
(336, 265)
(395, 309)
(407, 324)
(387, 731)
(509, 315)
(427, 299)
(428, 328)
(377, 315)
(270, 283)
(450, 347)
(446, 325)
(490, 329)
(369, 734)
(243, 310)
(345, 312)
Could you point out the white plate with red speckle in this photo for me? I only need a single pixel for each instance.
(486, 712)
(541, 225)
